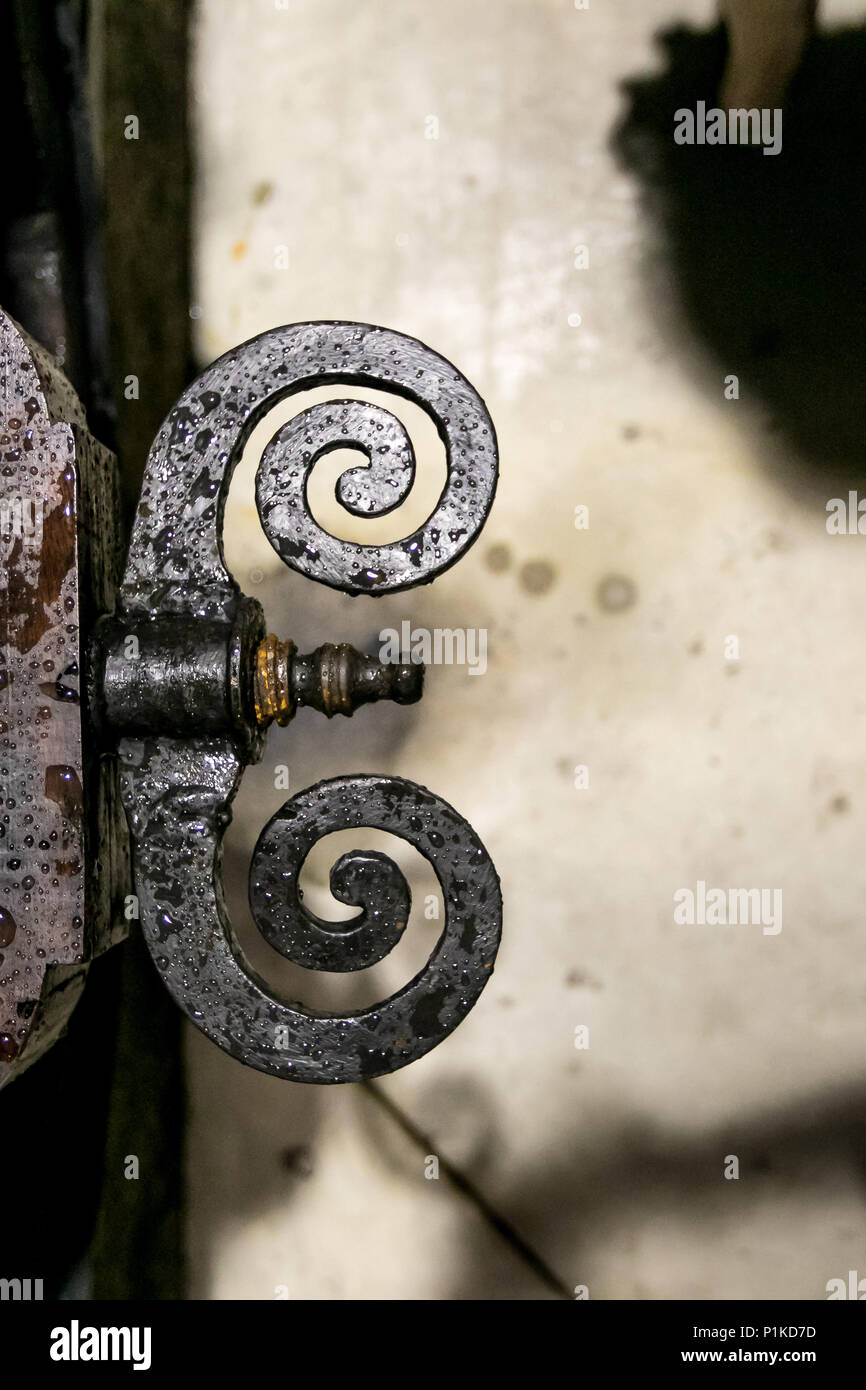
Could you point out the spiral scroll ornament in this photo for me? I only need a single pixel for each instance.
(207, 682)
(194, 454)
(178, 804)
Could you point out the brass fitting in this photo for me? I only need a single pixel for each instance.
(334, 679)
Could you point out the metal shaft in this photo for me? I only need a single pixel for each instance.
(334, 679)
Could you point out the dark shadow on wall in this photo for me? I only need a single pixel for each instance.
(766, 252)
(578, 1199)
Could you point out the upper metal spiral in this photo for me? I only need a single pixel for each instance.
(177, 529)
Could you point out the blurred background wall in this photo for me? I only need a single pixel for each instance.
(436, 169)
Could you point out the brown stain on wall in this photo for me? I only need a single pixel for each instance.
(28, 619)
(63, 786)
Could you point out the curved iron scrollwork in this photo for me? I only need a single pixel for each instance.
(192, 707)
(177, 529)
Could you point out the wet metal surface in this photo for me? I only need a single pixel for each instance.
(61, 856)
(193, 673)
(178, 797)
(175, 560)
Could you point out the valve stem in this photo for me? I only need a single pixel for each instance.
(334, 679)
